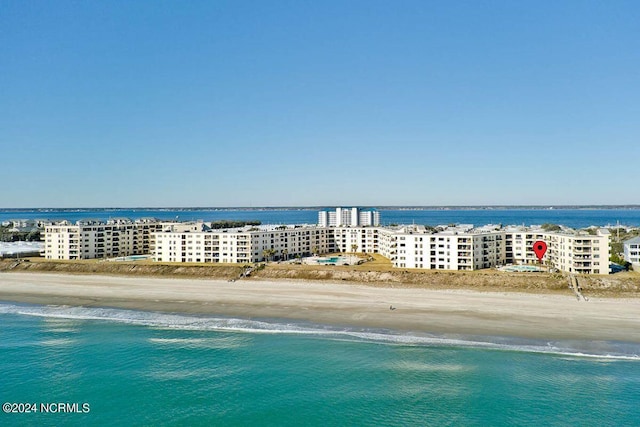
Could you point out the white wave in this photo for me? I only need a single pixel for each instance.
(167, 373)
(436, 389)
(205, 323)
(61, 330)
(60, 325)
(211, 343)
(418, 366)
(56, 342)
(180, 341)
(597, 357)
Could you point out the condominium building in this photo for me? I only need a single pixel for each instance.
(569, 251)
(580, 253)
(241, 245)
(449, 248)
(457, 249)
(348, 217)
(453, 248)
(631, 249)
(461, 247)
(97, 239)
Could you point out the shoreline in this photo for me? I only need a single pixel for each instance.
(451, 311)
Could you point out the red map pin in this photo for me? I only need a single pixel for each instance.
(540, 248)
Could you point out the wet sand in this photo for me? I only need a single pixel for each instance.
(541, 316)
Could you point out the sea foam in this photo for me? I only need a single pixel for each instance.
(602, 350)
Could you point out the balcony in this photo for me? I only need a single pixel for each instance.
(582, 250)
(583, 242)
(581, 264)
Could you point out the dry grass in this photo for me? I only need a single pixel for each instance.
(132, 268)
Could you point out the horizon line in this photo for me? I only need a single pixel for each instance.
(313, 207)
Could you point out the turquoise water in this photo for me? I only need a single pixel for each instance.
(132, 258)
(142, 368)
(331, 260)
(523, 268)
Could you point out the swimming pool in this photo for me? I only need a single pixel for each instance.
(523, 269)
(331, 260)
(336, 260)
(132, 258)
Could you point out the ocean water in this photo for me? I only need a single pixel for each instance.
(144, 368)
(576, 218)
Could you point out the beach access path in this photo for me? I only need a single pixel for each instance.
(454, 311)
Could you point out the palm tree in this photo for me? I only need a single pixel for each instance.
(354, 248)
(316, 250)
(285, 252)
(268, 253)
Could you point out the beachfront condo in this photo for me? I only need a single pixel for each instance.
(460, 247)
(89, 239)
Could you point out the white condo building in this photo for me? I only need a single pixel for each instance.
(453, 248)
(460, 247)
(631, 249)
(241, 245)
(349, 217)
(90, 239)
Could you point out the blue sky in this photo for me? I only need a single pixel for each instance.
(297, 103)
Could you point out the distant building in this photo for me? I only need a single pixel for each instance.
(632, 252)
(20, 249)
(349, 217)
(21, 225)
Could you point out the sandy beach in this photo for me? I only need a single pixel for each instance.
(542, 316)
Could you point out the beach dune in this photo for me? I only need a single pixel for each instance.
(511, 314)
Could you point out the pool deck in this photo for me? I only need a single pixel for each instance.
(340, 260)
(131, 258)
(523, 269)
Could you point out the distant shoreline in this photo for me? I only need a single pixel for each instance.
(311, 208)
